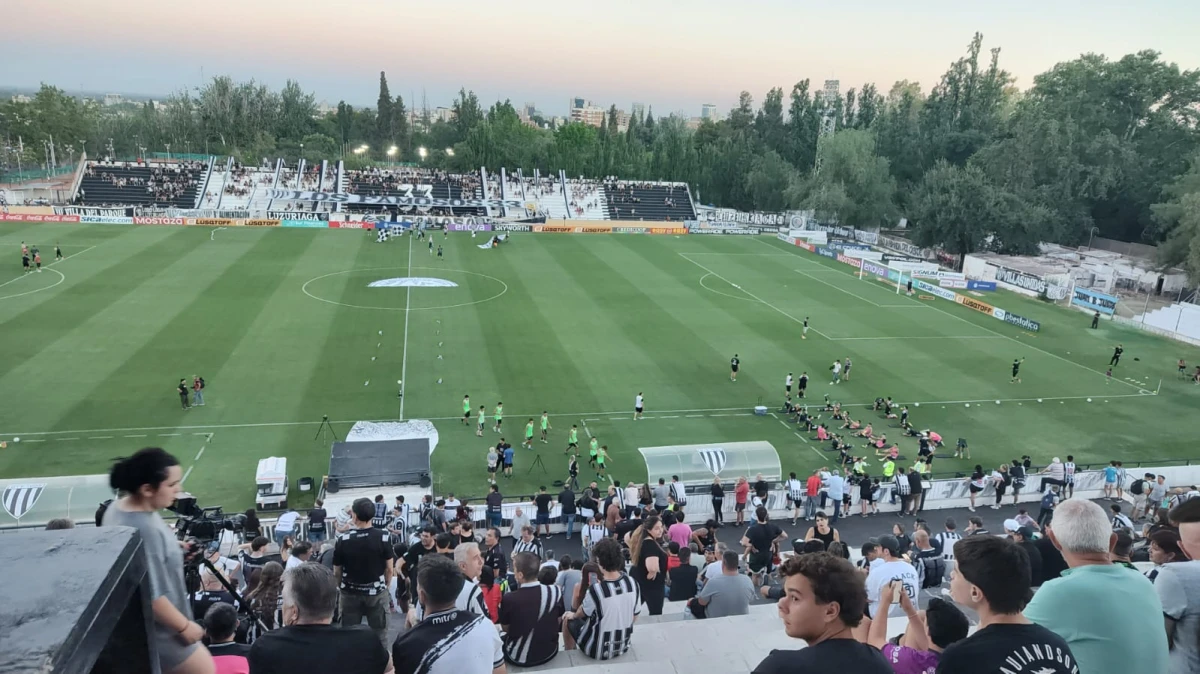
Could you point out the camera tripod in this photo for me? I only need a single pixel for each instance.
(537, 461)
(323, 428)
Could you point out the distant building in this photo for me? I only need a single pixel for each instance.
(708, 111)
(832, 90)
(21, 98)
(442, 114)
(585, 112)
(112, 99)
(694, 123)
(638, 110)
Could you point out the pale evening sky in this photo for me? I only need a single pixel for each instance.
(671, 55)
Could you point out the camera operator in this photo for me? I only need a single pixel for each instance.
(149, 481)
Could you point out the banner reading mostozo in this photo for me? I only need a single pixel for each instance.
(380, 200)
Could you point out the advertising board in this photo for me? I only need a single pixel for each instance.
(981, 307)
(157, 221)
(1094, 300)
(986, 286)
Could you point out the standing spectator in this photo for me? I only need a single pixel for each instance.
(812, 489)
(892, 567)
(1110, 479)
(543, 502)
(412, 557)
(316, 522)
(493, 554)
(1164, 549)
(251, 528)
(220, 626)
(901, 536)
(727, 594)
(1107, 615)
(1049, 499)
(1055, 474)
(285, 527)
(680, 532)
(822, 531)
(630, 499)
(991, 577)
(593, 533)
(835, 487)
(530, 616)
(520, 521)
(741, 492)
(495, 504)
(400, 515)
(147, 482)
(1023, 537)
(362, 565)
(566, 502)
(1158, 493)
(380, 518)
(717, 493)
(915, 488)
(661, 495)
(528, 543)
(759, 542)
(1178, 588)
(1140, 489)
(824, 601)
(447, 640)
(491, 592)
(903, 490)
(602, 626)
(795, 495)
(649, 563)
(309, 641)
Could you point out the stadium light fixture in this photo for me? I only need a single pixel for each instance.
(422, 152)
(450, 151)
(392, 151)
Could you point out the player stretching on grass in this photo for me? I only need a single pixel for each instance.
(733, 367)
(528, 444)
(482, 417)
(1016, 372)
(545, 425)
(498, 416)
(466, 410)
(572, 439)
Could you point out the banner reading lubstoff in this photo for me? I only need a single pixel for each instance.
(982, 307)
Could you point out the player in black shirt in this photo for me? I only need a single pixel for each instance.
(25, 262)
(802, 384)
(1116, 357)
(182, 389)
(1016, 371)
(733, 367)
(57, 252)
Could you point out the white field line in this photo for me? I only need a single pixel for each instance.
(751, 295)
(585, 428)
(404, 358)
(744, 254)
(854, 339)
(207, 439)
(853, 294)
(594, 415)
(14, 280)
(971, 323)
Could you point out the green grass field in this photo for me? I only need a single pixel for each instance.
(283, 327)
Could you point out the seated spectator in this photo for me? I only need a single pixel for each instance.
(267, 596)
(825, 600)
(893, 567)
(547, 575)
(673, 550)
(1164, 549)
(309, 641)
(1107, 614)
(991, 577)
(929, 632)
(682, 580)
(1121, 547)
(1023, 536)
(1178, 588)
(59, 524)
(931, 568)
(728, 594)
(220, 626)
(603, 625)
(570, 572)
(211, 592)
(425, 647)
(530, 615)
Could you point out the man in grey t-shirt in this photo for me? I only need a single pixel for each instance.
(569, 574)
(660, 495)
(729, 593)
(1158, 491)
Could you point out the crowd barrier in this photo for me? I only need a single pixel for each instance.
(893, 277)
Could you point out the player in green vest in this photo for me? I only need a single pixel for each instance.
(572, 439)
(600, 457)
(593, 449)
(482, 416)
(466, 410)
(545, 424)
(499, 416)
(528, 434)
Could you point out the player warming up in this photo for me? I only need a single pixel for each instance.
(1016, 371)
(638, 405)
(482, 421)
(572, 439)
(1116, 357)
(733, 367)
(528, 444)
(466, 410)
(804, 331)
(545, 423)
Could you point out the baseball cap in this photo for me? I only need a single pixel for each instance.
(213, 546)
(1026, 533)
(889, 543)
(1011, 525)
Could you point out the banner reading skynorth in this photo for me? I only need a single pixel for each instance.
(380, 200)
(1097, 301)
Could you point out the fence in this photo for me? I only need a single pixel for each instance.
(33, 174)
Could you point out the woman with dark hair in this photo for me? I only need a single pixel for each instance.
(718, 500)
(267, 596)
(251, 528)
(839, 549)
(147, 482)
(588, 576)
(975, 484)
(649, 563)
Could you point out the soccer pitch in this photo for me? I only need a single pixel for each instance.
(284, 328)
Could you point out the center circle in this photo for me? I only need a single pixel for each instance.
(61, 278)
(372, 272)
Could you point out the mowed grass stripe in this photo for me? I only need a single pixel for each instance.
(217, 296)
(94, 286)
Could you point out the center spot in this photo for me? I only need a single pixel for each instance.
(412, 282)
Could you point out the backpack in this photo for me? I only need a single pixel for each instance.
(1138, 487)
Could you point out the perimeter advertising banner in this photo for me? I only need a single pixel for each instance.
(262, 223)
(157, 221)
(304, 223)
(1096, 301)
(352, 224)
(96, 211)
(501, 227)
(31, 217)
(106, 219)
(1019, 321)
(982, 307)
(380, 200)
(297, 215)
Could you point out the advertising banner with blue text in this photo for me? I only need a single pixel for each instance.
(1096, 301)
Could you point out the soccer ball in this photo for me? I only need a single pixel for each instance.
(916, 404)
(16, 439)
(1039, 400)
(997, 402)
(1089, 400)
(968, 404)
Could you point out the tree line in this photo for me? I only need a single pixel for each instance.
(1094, 146)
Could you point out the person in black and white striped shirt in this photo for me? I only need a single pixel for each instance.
(945, 541)
(528, 542)
(795, 492)
(469, 560)
(603, 625)
(530, 616)
(593, 533)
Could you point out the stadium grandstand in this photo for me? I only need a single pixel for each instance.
(109, 183)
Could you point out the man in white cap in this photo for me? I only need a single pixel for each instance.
(1055, 473)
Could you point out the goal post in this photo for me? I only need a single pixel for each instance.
(906, 271)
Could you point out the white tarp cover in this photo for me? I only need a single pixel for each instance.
(369, 431)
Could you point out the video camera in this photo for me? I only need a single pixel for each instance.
(204, 525)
